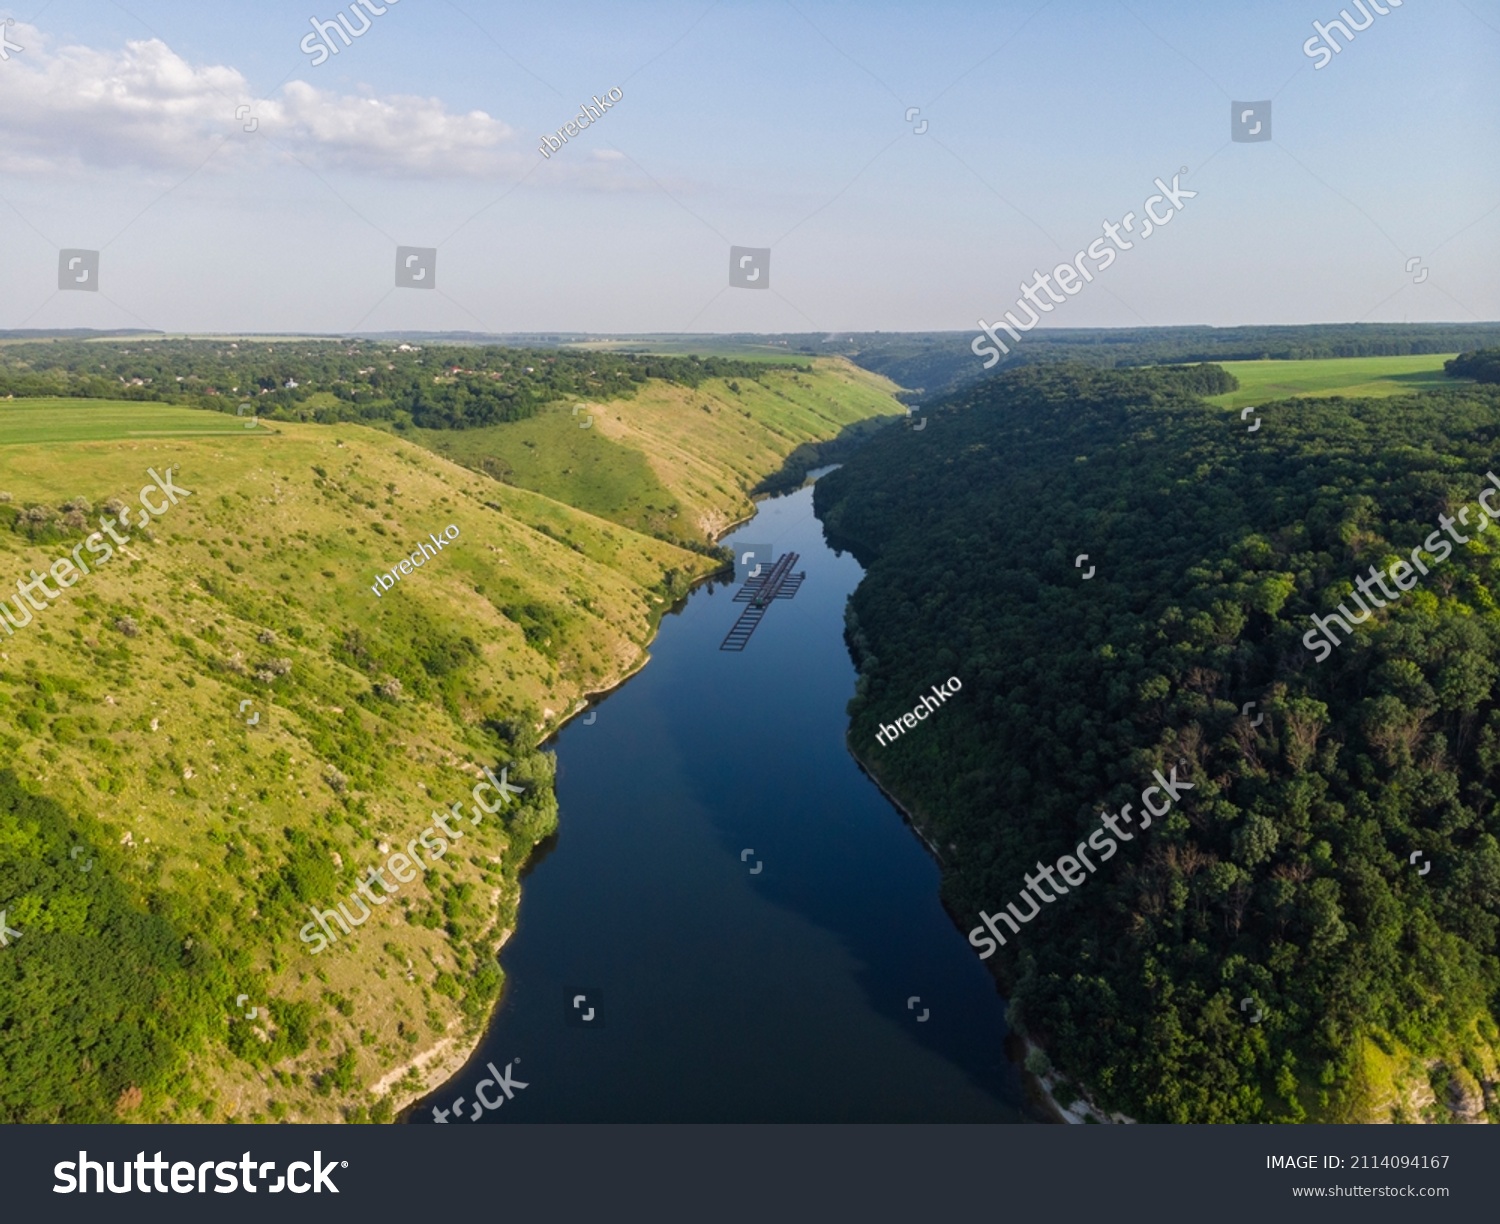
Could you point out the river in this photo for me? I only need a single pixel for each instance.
(744, 913)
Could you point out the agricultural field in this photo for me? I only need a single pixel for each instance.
(30, 422)
(1263, 382)
(740, 348)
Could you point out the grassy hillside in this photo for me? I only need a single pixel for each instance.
(159, 853)
(673, 460)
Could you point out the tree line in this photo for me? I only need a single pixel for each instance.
(442, 386)
(1287, 876)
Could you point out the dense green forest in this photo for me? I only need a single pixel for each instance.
(1482, 366)
(1285, 876)
(429, 386)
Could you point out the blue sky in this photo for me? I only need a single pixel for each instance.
(757, 124)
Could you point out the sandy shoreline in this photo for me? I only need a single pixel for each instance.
(1080, 1110)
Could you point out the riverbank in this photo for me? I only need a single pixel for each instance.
(439, 1062)
(1050, 1090)
(1046, 1087)
(661, 799)
(906, 812)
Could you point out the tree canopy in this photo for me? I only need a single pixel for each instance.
(1285, 877)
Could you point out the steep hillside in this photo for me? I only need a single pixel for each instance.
(675, 460)
(1120, 578)
(223, 728)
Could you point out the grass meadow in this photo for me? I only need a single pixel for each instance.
(1262, 382)
(31, 422)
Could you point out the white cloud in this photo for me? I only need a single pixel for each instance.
(144, 106)
(395, 135)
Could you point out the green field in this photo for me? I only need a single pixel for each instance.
(27, 422)
(1264, 381)
(669, 460)
(695, 346)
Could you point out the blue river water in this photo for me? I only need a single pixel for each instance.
(746, 918)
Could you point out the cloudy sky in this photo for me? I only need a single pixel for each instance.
(759, 123)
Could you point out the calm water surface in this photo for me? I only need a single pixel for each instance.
(720, 993)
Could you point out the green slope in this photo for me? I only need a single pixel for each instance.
(125, 736)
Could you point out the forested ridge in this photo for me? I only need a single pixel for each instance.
(1284, 877)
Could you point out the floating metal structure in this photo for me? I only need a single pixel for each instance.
(778, 582)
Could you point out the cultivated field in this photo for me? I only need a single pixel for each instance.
(27, 422)
(1264, 381)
